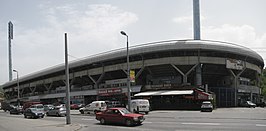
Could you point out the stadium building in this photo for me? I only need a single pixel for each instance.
(177, 74)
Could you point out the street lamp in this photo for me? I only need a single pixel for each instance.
(17, 85)
(128, 78)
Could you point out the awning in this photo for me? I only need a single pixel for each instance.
(165, 93)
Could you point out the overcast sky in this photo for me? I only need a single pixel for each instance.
(94, 26)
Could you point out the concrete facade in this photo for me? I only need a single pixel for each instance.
(166, 62)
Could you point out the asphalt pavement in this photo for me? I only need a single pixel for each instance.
(17, 122)
(222, 119)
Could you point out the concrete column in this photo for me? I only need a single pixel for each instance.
(183, 74)
(198, 75)
(236, 77)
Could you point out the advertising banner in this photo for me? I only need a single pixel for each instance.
(234, 64)
(132, 76)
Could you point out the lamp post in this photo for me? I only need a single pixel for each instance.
(128, 78)
(17, 85)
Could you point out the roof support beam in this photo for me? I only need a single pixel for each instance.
(183, 74)
(139, 72)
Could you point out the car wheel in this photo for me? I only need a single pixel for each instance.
(95, 111)
(146, 113)
(102, 121)
(25, 116)
(82, 112)
(57, 114)
(129, 122)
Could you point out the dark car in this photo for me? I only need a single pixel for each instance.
(6, 106)
(16, 110)
(261, 104)
(120, 116)
(56, 111)
(33, 113)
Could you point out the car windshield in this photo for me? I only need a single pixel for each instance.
(39, 107)
(206, 104)
(33, 109)
(124, 111)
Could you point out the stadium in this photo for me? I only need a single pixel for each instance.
(176, 74)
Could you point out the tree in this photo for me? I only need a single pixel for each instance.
(263, 83)
(1, 93)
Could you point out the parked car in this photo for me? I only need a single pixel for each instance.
(94, 107)
(261, 104)
(250, 104)
(57, 111)
(81, 105)
(30, 103)
(38, 106)
(60, 105)
(16, 110)
(111, 104)
(120, 116)
(74, 106)
(206, 106)
(140, 105)
(6, 106)
(47, 107)
(33, 113)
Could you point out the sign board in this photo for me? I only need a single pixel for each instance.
(108, 92)
(132, 76)
(234, 64)
(201, 95)
(116, 81)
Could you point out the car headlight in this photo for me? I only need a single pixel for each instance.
(135, 119)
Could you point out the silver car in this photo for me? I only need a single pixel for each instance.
(206, 106)
(56, 111)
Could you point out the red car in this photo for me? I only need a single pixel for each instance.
(119, 115)
(74, 106)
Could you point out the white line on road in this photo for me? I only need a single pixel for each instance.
(85, 119)
(260, 125)
(210, 124)
(147, 122)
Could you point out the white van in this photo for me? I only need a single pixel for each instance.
(94, 107)
(140, 105)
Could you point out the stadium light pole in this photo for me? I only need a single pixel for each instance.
(128, 79)
(10, 36)
(17, 85)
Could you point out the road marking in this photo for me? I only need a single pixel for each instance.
(209, 124)
(85, 119)
(260, 125)
(146, 122)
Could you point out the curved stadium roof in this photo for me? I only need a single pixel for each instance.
(149, 48)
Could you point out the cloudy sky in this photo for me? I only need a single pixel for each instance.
(93, 27)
